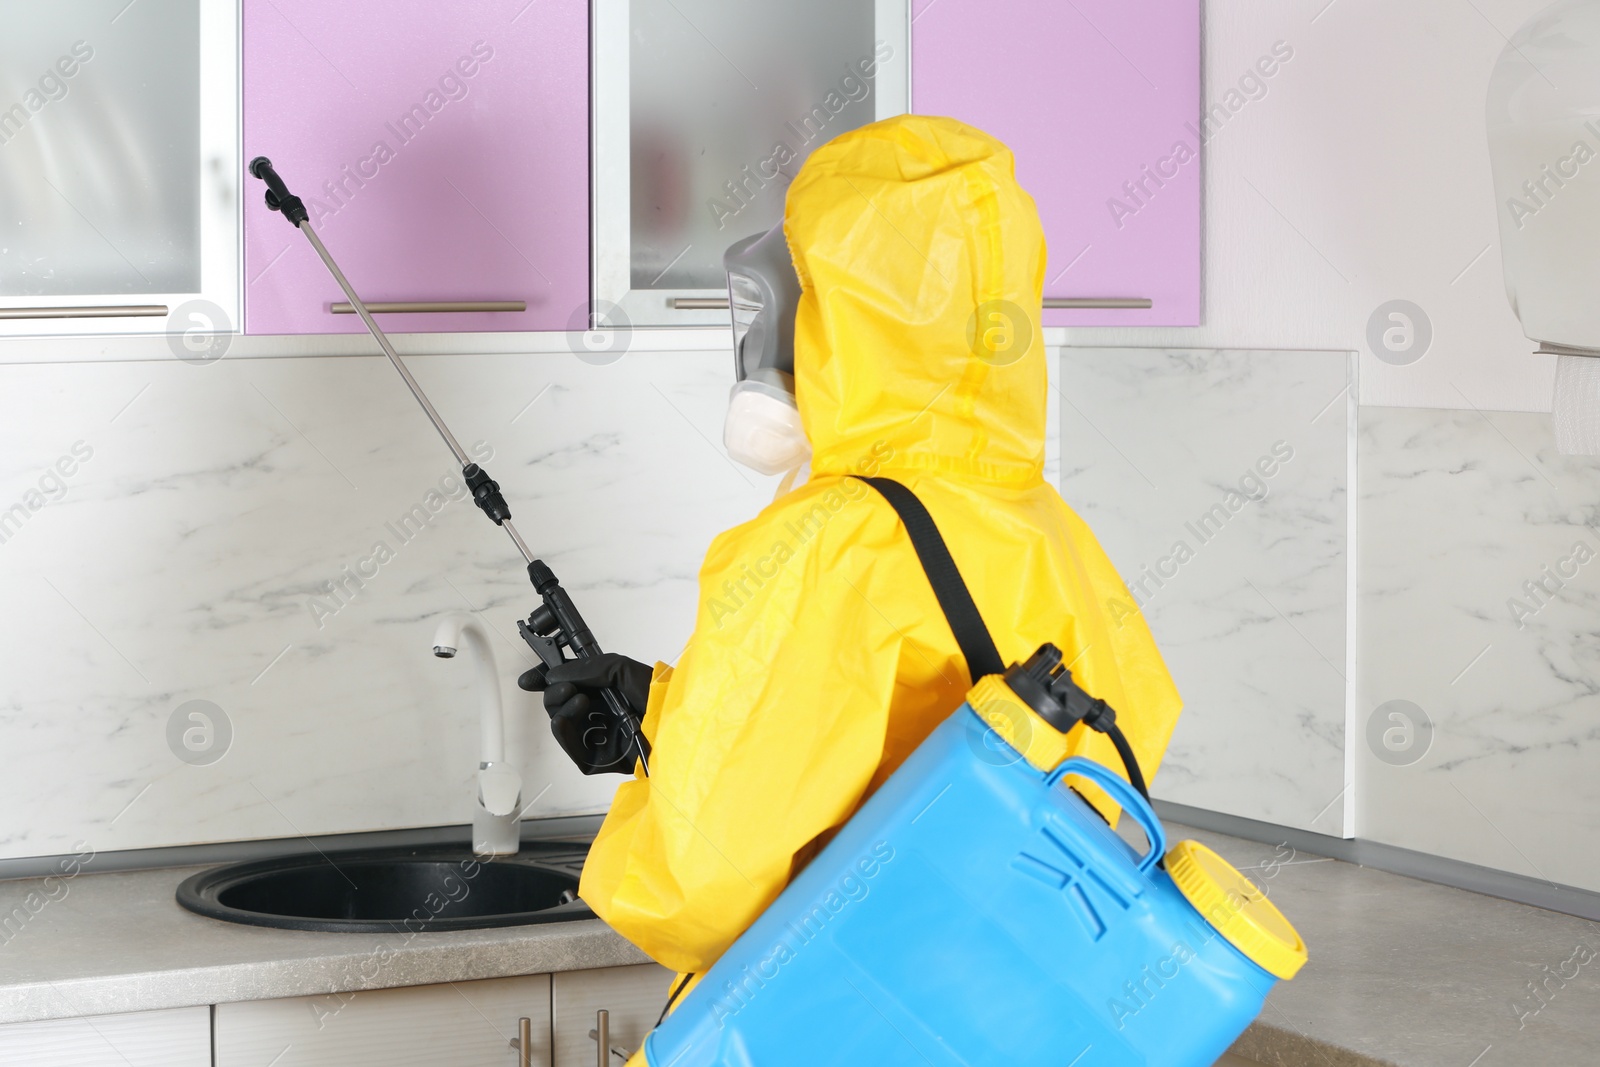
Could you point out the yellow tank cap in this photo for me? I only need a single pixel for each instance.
(1236, 908)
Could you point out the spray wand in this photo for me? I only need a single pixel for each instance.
(555, 625)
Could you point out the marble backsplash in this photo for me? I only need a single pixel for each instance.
(1478, 705)
(279, 537)
(1217, 482)
(198, 529)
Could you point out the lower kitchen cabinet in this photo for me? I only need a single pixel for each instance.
(460, 1024)
(463, 1024)
(632, 998)
(177, 1037)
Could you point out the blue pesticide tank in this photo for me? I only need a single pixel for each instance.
(977, 911)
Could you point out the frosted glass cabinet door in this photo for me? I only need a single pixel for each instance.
(443, 152)
(118, 159)
(704, 111)
(1100, 101)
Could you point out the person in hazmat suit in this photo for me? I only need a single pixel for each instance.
(820, 657)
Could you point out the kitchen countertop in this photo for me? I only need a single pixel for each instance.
(119, 942)
(1403, 973)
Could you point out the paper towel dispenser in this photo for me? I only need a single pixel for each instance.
(1544, 143)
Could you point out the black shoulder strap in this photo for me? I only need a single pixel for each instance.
(977, 646)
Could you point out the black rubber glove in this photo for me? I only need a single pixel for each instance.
(584, 727)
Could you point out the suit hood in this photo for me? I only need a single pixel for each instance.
(917, 338)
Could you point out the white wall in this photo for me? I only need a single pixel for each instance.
(1362, 176)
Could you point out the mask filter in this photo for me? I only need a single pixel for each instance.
(763, 429)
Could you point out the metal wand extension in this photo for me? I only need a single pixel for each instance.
(485, 490)
(567, 626)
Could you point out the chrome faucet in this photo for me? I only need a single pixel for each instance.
(496, 822)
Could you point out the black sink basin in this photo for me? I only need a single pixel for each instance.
(394, 890)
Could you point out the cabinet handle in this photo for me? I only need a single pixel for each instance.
(1056, 303)
(523, 1042)
(601, 1035)
(413, 307)
(720, 303)
(98, 311)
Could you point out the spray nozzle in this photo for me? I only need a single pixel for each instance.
(279, 198)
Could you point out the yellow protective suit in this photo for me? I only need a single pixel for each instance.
(820, 657)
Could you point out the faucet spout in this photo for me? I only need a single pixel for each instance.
(496, 828)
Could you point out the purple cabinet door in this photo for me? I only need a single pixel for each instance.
(443, 150)
(1100, 101)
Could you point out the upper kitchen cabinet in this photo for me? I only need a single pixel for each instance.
(442, 151)
(119, 168)
(1100, 101)
(704, 110)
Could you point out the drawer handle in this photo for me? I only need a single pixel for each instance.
(99, 311)
(720, 303)
(523, 1042)
(601, 1035)
(1057, 303)
(414, 307)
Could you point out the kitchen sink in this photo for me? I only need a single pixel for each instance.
(401, 890)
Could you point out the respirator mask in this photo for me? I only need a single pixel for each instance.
(763, 429)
